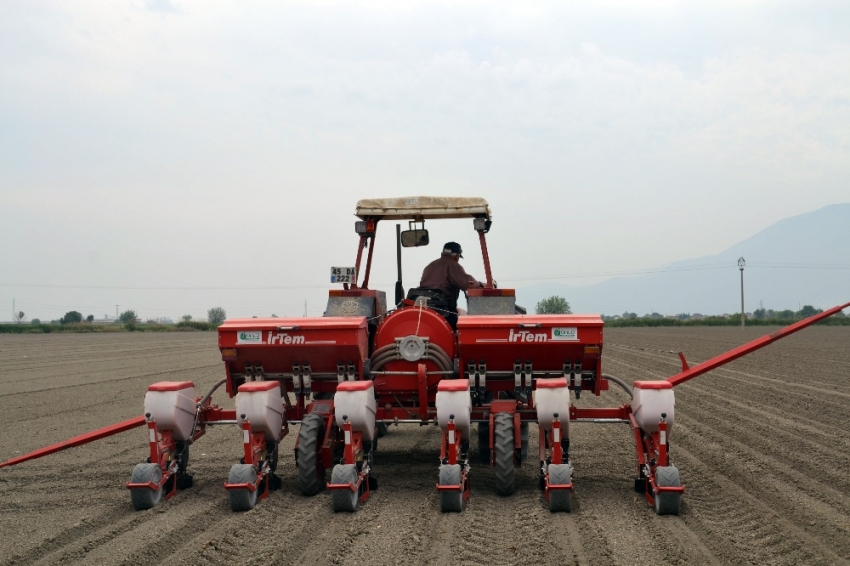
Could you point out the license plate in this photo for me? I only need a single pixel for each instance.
(343, 275)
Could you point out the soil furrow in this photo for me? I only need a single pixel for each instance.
(762, 446)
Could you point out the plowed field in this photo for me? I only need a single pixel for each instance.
(762, 446)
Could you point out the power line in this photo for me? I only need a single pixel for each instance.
(529, 278)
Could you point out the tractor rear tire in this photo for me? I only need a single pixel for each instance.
(311, 478)
(344, 499)
(503, 446)
(560, 499)
(451, 501)
(143, 497)
(667, 503)
(243, 499)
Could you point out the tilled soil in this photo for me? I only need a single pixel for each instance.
(762, 445)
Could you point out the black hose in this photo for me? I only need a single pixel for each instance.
(382, 349)
(619, 382)
(437, 361)
(442, 353)
(383, 359)
(438, 356)
(201, 403)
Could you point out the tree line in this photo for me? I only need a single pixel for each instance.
(215, 315)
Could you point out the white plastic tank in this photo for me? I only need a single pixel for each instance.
(649, 400)
(356, 399)
(453, 399)
(262, 405)
(172, 405)
(553, 396)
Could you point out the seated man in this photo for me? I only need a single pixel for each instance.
(447, 275)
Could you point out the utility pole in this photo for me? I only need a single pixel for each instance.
(741, 264)
(305, 308)
(116, 312)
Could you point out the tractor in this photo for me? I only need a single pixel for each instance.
(343, 378)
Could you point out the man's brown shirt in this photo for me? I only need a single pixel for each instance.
(448, 276)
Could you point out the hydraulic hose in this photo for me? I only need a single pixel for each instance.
(430, 355)
(379, 362)
(383, 349)
(436, 350)
(437, 361)
(206, 397)
(619, 382)
(203, 402)
(438, 355)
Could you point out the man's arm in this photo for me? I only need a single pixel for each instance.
(460, 279)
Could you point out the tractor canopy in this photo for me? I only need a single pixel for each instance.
(421, 208)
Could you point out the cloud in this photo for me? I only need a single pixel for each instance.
(161, 6)
(639, 136)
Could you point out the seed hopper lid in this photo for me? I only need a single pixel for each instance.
(255, 386)
(170, 386)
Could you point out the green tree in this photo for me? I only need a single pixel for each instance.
(128, 316)
(808, 310)
(35, 321)
(19, 318)
(71, 317)
(553, 305)
(186, 318)
(90, 318)
(216, 315)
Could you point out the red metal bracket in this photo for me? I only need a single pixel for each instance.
(354, 446)
(423, 391)
(450, 450)
(685, 365)
(553, 439)
(253, 445)
(159, 453)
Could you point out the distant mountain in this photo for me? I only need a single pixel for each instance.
(800, 260)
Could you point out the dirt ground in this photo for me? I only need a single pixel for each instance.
(762, 446)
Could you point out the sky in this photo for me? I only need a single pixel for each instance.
(169, 156)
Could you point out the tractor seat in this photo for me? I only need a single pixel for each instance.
(438, 301)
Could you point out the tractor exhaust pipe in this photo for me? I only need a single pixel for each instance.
(399, 290)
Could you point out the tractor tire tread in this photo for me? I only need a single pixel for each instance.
(667, 503)
(560, 499)
(307, 458)
(451, 501)
(242, 499)
(503, 446)
(344, 499)
(144, 498)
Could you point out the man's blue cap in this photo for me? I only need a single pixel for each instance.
(453, 248)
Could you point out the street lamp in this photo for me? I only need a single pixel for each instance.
(741, 264)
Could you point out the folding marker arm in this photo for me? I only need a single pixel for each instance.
(79, 440)
(713, 363)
